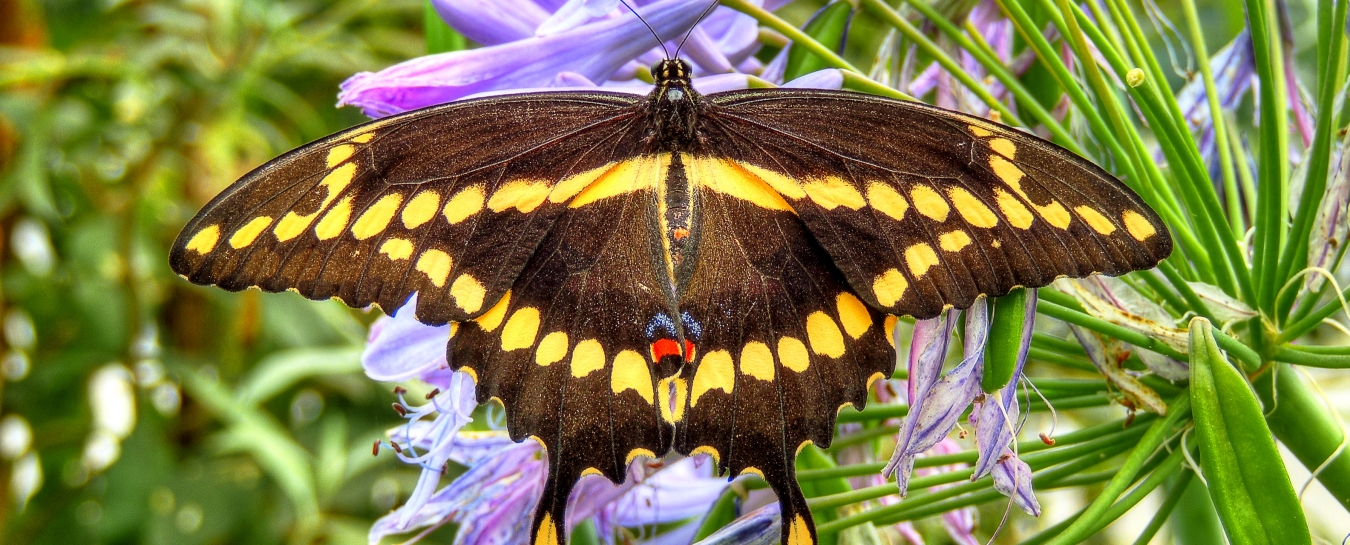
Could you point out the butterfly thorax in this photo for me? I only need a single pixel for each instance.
(674, 105)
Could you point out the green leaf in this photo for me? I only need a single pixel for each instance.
(278, 372)
(1246, 477)
(722, 512)
(440, 37)
(829, 26)
(1005, 340)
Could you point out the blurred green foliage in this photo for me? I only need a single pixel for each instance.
(118, 120)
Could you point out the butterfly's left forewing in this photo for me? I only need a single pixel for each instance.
(448, 202)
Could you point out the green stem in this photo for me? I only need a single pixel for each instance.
(948, 63)
(1272, 188)
(1307, 427)
(1154, 438)
(1216, 118)
(1169, 504)
(1298, 355)
(768, 19)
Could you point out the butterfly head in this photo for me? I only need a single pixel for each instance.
(671, 71)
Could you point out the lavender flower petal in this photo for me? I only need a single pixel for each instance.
(400, 347)
(1012, 478)
(595, 51)
(575, 13)
(759, 527)
(829, 78)
(492, 22)
(997, 417)
(1331, 228)
(941, 405)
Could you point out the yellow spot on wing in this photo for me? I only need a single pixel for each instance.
(793, 354)
(715, 371)
(521, 329)
(753, 471)
(591, 471)
(972, 209)
(335, 220)
(979, 131)
(954, 241)
(588, 357)
(1095, 219)
(339, 154)
(435, 264)
(494, 316)
(784, 185)
(548, 532)
(730, 179)
(464, 204)
(887, 200)
(929, 203)
(399, 248)
(373, 221)
(204, 241)
(671, 392)
(1013, 209)
(291, 225)
(523, 195)
(706, 449)
(889, 287)
(874, 378)
(420, 209)
(363, 138)
(1004, 147)
(639, 173)
(1053, 213)
(757, 361)
(1138, 226)
(638, 452)
(552, 349)
(1007, 172)
(832, 192)
(335, 182)
(800, 533)
(631, 373)
(572, 185)
(823, 335)
(853, 314)
(473, 374)
(468, 293)
(249, 232)
(920, 257)
(891, 321)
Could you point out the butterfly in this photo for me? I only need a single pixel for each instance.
(631, 275)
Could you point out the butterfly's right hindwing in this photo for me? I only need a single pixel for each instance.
(448, 202)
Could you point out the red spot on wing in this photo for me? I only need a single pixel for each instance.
(663, 348)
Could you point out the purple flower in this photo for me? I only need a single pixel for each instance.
(1012, 478)
(997, 418)
(538, 44)
(594, 51)
(492, 501)
(758, 527)
(1325, 246)
(937, 404)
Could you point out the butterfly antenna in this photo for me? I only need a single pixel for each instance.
(705, 14)
(649, 27)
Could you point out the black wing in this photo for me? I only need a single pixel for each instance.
(448, 201)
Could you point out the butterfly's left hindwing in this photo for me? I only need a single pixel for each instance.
(448, 202)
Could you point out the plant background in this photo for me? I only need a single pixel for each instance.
(252, 420)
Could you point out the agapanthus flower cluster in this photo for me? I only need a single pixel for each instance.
(589, 44)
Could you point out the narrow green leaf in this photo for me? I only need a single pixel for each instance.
(829, 27)
(1247, 479)
(722, 512)
(812, 457)
(1005, 340)
(439, 36)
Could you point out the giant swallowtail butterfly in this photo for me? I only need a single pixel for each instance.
(711, 274)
